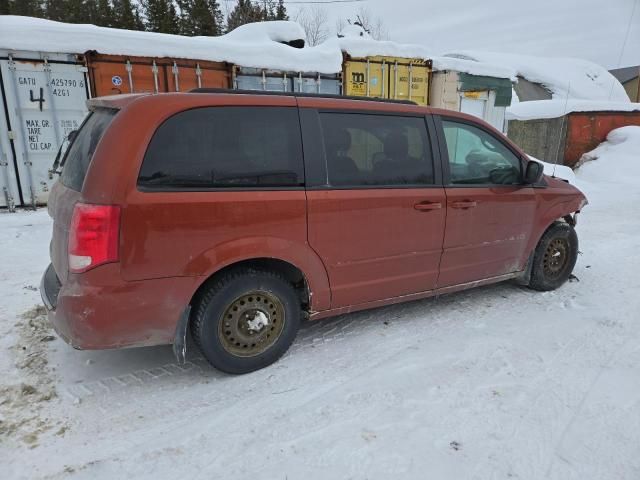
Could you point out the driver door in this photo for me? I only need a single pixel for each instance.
(490, 212)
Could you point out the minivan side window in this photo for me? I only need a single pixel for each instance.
(225, 147)
(383, 150)
(477, 158)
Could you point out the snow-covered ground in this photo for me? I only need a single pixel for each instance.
(494, 383)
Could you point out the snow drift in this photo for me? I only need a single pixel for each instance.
(617, 160)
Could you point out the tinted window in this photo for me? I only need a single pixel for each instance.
(78, 157)
(477, 157)
(222, 147)
(376, 150)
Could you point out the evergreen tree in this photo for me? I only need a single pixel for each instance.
(4, 7)
(200, 17)
(55, 10)
(75, 11)
(281, 11)
(104, 14)
(29, 8)
(161, 16)
(244, 12)
(124, 15)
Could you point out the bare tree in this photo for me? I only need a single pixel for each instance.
(371, 23)
(340, 24)
(314, 21)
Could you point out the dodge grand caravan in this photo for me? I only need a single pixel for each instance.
(235, 216)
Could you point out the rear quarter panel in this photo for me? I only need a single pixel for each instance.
(194, 234)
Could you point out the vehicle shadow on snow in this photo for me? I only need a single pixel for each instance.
(87, 373)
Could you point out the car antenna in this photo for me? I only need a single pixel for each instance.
(562, 127)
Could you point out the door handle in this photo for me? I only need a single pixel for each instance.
(427, 206)
(464, 204)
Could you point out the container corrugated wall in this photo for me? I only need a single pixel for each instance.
(43, 99)
(246, 78)
(387, 77)
(116, 74)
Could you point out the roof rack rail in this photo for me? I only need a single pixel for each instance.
(298, 94)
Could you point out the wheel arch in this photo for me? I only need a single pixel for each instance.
(292, 273)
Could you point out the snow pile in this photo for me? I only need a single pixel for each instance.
(473, 67)
(253, 45)
(557, 108)
(275, 31)
(563, 77)
(617, 160)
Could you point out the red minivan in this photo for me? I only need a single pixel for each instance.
(236, 215)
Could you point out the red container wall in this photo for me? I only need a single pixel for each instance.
(586, 131)
(109, 75)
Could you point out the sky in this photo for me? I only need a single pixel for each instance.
(597, 30)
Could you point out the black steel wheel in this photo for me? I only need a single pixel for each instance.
(554, 257)
(246, 320)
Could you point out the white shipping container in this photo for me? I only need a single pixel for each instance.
(44, 98)
(10, 194)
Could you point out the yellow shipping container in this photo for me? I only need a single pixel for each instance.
(388, 77)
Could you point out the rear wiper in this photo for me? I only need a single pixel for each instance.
(56, 168)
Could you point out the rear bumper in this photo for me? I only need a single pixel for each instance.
(98, 310)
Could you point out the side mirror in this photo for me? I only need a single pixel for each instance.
(533, 173)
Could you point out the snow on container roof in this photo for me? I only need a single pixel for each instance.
(564, 77)
(473, 67)
(557, 108)
(356, 42)
(253, 45)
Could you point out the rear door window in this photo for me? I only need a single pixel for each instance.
(369, 150)
(225, 147)
(78, 157)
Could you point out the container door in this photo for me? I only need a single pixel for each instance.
(203, 75)
(45, 102)
(409, 81)
(113, 77)
(474, 103)
(9, 193)
(495, 115)
(367, 78)
(317, 84)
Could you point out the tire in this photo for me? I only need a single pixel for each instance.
(554, 257)
(246, 320)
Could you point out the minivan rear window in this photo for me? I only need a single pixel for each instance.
(225, 147)
(78, 157)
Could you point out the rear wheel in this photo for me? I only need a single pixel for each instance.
(554, 258)
(246, 320)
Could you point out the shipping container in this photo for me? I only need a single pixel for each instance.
(484, 97)
(563, 140)
(116, 74)
(246, 78)
(387, 77)
(43, 99)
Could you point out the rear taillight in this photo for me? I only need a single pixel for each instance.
(93, 237)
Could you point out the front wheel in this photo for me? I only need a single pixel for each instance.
(246, 320)
(554, 257)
